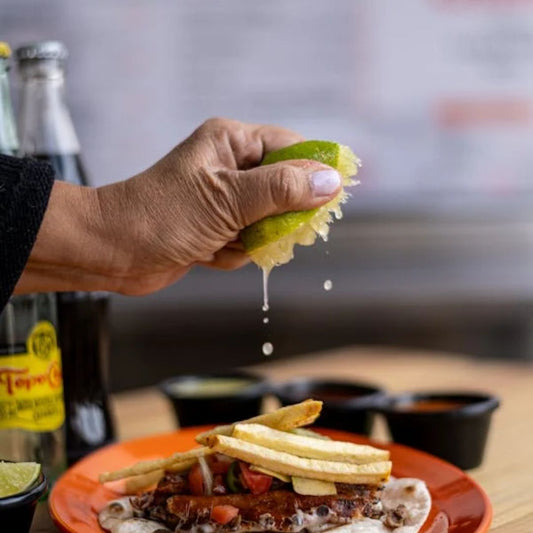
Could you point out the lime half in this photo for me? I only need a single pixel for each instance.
(270, 241)
(17, 477)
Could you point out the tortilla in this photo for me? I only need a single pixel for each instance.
(412, 493)
(118, 516)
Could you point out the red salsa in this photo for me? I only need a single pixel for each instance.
(429, 405)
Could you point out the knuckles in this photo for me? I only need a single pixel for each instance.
(218, 125)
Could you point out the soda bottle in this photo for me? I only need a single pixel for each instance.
(32, 412)
(47, 132)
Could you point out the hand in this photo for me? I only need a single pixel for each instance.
(144, 233)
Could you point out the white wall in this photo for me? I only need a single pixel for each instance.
(436, 97)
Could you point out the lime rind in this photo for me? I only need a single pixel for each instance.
(274, 227)
(270, 242)
(324, 151)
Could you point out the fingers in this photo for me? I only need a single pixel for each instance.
(228, 258)
(235, 245)
(240, 145)
(282, 187)
(146, 283)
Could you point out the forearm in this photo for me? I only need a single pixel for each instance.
(73, 249)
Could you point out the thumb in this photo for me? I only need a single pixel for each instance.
(287, 186)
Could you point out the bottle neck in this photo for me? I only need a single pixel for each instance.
(45, 124)
(8, 131)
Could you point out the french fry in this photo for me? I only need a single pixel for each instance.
(183, 466)
(309, 447)
(313, 487)
(285, 418)
(144, 467)
(306, 432)
(291, 465)
(142, 482)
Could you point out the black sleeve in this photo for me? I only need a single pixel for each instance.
(25, 186)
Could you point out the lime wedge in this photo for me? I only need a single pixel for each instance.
(270, 242)
(17, 477)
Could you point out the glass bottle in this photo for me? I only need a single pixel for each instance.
(47, 132)
(32, 411)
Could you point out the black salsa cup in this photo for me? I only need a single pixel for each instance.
(16, 511)
(348, 405)
(196, 401)
(455, 428)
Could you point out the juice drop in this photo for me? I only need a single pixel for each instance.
(266, 273)
(268, 348)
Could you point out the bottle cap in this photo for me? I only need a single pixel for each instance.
(42, 50)
(5, 50)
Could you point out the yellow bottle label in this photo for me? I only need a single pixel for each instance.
(31, 383)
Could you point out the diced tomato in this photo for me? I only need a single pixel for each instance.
(219, 463)
(196, 480)
(224, 513)
(257, 482)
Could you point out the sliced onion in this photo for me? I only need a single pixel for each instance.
(207, 475)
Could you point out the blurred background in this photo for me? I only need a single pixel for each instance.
(436, 246)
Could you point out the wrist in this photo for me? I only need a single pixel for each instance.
(117, 228)
(72, 250)
(138, 233)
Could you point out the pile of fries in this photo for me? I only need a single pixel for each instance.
(277, 444)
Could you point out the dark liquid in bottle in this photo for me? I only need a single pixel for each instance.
(84, 341)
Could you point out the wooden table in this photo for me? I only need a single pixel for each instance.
(507, 473)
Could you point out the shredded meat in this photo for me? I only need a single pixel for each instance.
(168, 486)
(396, 517)
(277, 510)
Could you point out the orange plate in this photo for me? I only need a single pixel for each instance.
(459, 504)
